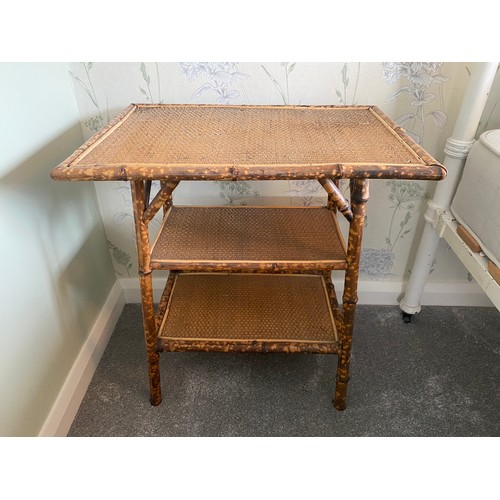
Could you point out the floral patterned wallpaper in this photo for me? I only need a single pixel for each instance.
(423, 98)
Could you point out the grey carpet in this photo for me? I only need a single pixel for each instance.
(438, 376)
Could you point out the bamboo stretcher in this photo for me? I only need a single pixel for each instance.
(249, 279)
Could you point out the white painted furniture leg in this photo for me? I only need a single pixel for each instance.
(456, 151)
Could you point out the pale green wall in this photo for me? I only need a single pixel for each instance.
(56, 267)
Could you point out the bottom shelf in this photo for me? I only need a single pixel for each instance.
(248, 313)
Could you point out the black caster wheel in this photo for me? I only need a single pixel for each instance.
(407, 317)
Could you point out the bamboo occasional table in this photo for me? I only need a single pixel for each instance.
(249, 279)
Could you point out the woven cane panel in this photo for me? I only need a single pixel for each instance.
(249, 234)
(249, 307)
(223, 135)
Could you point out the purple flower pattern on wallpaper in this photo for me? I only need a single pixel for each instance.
(420, 78)
(417, 90)
(306, 193)
(404, 197)
(222, 76)
(376, 262)
(236, 193)
(423, 83)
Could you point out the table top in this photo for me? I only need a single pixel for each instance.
(225, 142)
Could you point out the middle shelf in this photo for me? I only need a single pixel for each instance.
(251, 238)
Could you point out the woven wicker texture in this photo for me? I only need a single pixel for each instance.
(226, 135)
(249, 307)
(249, 234)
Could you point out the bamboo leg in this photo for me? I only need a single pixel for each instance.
(153, 357)
(146, 283)
(359, 197)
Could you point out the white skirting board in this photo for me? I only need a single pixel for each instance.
(64, 410)
(369, 292)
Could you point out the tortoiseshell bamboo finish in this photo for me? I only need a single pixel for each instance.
(255, 346)
(162, 199)
(413, 163)
(359, 197)
(146, 285)
(336, 199)
(162, 306)
(417, 165)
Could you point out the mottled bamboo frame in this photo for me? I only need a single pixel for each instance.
(344, 318)
(140, 177)
(146, 284)
(359, 196)
(256, 346)
(425, 166)
(336, 199)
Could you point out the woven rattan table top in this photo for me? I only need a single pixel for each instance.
(223, 142)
